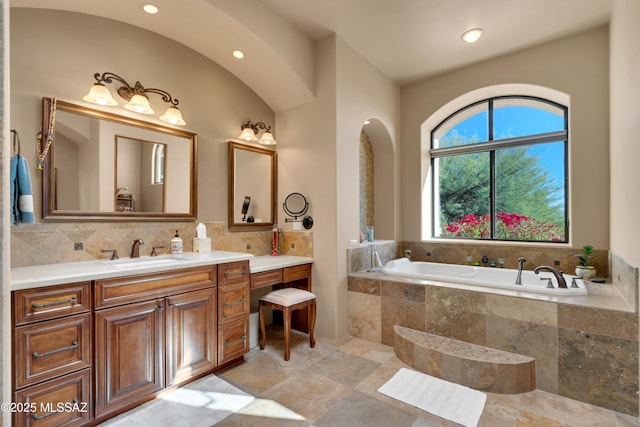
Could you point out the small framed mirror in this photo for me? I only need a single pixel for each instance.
(252, 187)
(103, 166)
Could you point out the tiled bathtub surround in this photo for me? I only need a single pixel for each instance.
(624, 277)
(50, 243)
(588, 354)
(456, 253)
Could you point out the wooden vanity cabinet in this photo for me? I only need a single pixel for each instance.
(150, 325)
(106, 346)
(52, 355)
(233, 310)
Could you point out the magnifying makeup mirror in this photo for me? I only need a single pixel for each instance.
(296, 205)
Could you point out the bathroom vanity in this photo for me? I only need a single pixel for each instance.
(94, 339)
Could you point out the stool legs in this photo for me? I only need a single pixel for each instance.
(263, 333)
(312, 323)
(286, 317)
(286, 314)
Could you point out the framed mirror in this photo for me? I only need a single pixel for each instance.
(252, 187)
(104, 166)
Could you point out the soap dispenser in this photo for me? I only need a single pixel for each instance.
(176, 244)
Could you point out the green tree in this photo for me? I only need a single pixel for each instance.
(523, 185)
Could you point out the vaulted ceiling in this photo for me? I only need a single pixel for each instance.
(407, 40)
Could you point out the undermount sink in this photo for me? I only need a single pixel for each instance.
(146, 261)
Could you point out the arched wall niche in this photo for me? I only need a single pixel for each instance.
(380, 159)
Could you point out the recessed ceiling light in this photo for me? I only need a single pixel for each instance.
(150, 8)
(472, 36)
(238, 54)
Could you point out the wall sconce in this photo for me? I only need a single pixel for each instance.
(250, 130)
(136, 95)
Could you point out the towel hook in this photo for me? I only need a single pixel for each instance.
(16, 142)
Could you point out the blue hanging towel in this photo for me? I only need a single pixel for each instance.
(21, 194)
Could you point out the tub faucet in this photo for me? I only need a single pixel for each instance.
(558, 274)
(135, 248)
(521, 262)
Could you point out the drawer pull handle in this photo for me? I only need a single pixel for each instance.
(54, 303)
(40, 417)
(228, 273)
(49, 353)
(231, 304)
(231, 343)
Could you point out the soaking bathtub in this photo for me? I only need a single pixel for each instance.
(501, 278)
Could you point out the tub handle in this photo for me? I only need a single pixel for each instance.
(549, 282)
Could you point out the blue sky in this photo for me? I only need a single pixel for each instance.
(513, 121)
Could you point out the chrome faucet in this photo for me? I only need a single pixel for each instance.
(558, 275)
(135, 249)
(521, 262)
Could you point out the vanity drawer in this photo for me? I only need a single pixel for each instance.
(52, 348)
(141, 287)
(32, 305)
(233, 272)
(297, 272)
(71, 392)
(233, 340)
(233, 302)
(266, 278)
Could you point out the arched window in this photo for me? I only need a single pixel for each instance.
(499, 171)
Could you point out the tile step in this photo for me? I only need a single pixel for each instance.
(472, 365)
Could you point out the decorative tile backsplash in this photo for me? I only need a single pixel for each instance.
(50, 243)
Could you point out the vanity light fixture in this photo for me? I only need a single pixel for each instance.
(136, 95)
(250, 130)
(472, 36)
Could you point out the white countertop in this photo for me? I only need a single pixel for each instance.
(268, 262)
(71, 272)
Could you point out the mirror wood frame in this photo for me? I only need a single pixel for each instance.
(49, 213)
(244, 226)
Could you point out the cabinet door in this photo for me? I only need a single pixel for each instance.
(48, 349)
(129, 354)
(233, 340)
(191, 335)
(65, 401)
(233, 302)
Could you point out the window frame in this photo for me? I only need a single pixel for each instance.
(491, 146)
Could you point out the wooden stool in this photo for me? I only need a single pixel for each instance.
(287, 300)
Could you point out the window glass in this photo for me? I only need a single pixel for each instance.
(468, 126)
(530, 193)
(506, 184)
(463, 196)
(514, 117)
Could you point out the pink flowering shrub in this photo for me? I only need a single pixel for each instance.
(508, 226)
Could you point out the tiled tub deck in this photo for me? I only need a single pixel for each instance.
(585, 348)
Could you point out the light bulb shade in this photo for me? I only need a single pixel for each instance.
(173, 116)
(139, 104)
(248, 135)
(100, 95)
(267, 139)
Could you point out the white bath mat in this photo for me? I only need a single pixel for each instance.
(453, 402)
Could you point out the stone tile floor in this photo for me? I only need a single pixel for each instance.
(335, 384)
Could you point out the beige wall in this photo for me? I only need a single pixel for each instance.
(318, 149)
(625, 115)
(577, 66)
(49, 59)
